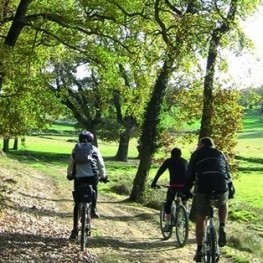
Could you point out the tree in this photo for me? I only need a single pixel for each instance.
(174, 37)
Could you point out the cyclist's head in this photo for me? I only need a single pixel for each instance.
(176, 152)
(206, 141)
(86, 136)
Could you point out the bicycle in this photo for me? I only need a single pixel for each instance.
(179, 219)
(84, 195)
(210, 251)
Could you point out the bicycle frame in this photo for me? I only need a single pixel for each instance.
(179, 220)
(210, 245)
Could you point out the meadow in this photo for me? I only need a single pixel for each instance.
(52, 149)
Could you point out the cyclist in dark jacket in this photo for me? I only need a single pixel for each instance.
(177, 167)
(208, 169)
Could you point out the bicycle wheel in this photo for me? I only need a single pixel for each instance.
(210, 255)
(88, 224)
(181, 225)
(166, 235)
(83, 237)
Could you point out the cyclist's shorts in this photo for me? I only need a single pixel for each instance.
(202, 203)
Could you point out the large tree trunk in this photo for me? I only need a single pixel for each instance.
(15, 146)
(6, 145)
(122, 153)
(150, 134)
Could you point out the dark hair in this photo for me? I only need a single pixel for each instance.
(86, 136)
(207, 141)
(176, 152)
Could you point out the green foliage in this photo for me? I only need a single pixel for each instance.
(226, 120)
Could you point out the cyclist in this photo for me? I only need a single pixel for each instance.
(208, 168)
(86, 173)
(177, 167)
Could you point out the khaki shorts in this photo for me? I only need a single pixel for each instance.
(202, 203)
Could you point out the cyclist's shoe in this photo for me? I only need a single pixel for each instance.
(167, 228)
(95, 214)
(222, 237)
(198, 256)
(74, 234)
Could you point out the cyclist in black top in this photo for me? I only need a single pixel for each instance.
(208, 169)
(177, 167)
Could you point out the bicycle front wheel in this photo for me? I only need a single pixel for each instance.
(210, 254)
(83, 237)
(181, 225)
(166, 235)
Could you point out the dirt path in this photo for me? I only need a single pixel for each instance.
(35, 226)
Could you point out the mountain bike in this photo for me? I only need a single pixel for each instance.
(179, 218)
(210, 251)
(84, 195)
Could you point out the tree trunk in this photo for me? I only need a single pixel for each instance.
(15, 30)
(122, 153)
(15, 146)
(150, 131)
(205, 129)
(217, 34)
(6, 145)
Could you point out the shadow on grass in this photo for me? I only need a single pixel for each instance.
(251, 160)
(47, 157)
(34, 156)
(251, 134)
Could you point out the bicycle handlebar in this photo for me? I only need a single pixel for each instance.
(104, 180)
(180, 192)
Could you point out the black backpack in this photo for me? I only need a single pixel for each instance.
(83, 153)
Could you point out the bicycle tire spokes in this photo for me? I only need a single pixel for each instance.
(181, 225)
(83, 235)
(166, 234)
(210, 246)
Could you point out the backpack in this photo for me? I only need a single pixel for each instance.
(83, 153)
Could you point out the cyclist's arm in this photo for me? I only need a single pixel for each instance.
(160, 171)
(191, 172)
(101, 165)
(70, 165)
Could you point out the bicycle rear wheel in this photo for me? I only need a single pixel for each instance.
(210, 255)
(181, 225)
(166, 235)
(83, 237)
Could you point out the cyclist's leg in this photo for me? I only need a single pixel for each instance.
(202, 207)
(169, 199)
(95, 188)
(94, 212)
(222, 215)
(74, 232)
(222, 209)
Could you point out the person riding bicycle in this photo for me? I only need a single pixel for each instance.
(177, 167)
(209, 170)
(86, 173)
